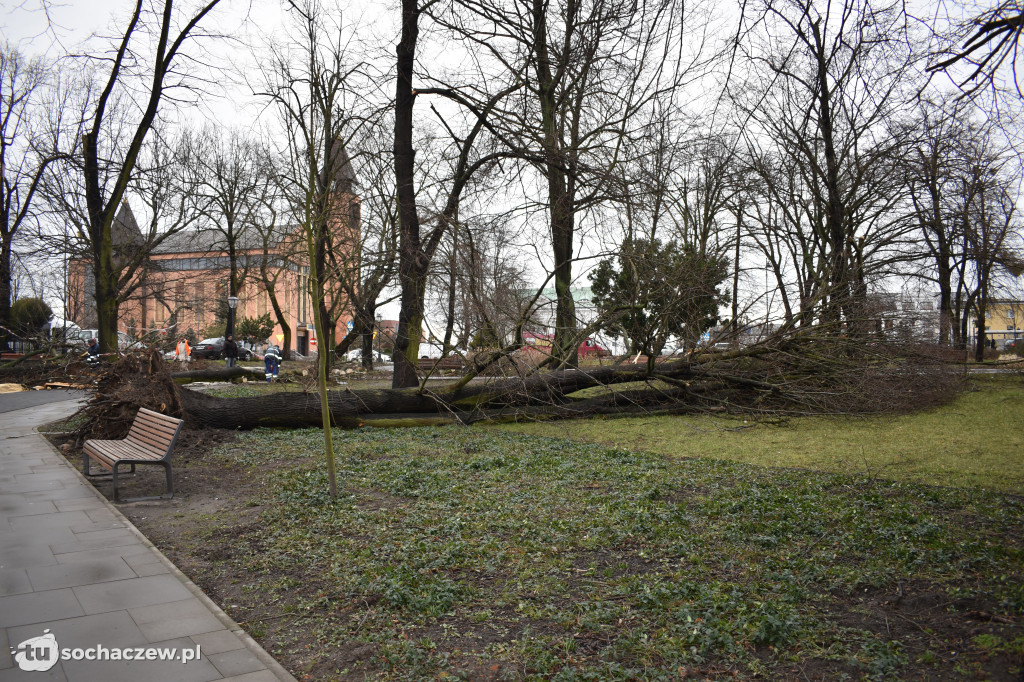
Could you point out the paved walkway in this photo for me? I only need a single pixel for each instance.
(72, 565)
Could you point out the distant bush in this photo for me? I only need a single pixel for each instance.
(30, 315)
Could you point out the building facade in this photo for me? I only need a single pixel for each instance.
(184, 283)
(1003, 319)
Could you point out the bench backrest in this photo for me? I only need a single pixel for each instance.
(451, 362)
(154, 432)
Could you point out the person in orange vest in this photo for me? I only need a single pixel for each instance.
(182, 351)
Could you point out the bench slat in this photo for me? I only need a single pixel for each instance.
(115, 450)
(156, 429)
(156, 442)
(157, 418)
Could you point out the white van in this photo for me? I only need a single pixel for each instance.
(84, 335)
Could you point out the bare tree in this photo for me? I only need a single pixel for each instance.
(983, 45)
(591, 72)
(233, 178)
(835, 80)
(932, 171)
(24, 155)
(370, 266)
(988, 222)
(132, 82)
(416, 250)
(479, 286)
(315, 96)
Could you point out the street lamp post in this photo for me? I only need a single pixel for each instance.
(379, 318)
(232, 304)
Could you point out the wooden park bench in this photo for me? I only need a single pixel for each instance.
(451, 362)
(150, 441)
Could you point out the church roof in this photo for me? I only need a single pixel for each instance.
(344, 176)
(210, 240)
(125, 229)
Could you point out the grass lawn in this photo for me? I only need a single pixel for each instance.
(625, 549)
(976, 441)
(474, 553)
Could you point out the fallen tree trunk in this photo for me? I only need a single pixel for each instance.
(217, 374)
(814, 378)
(503, 400)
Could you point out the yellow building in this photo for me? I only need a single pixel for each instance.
(1003, 321)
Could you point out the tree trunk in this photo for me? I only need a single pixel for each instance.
(410, 327)
(834, 216)
(217, 374)
(449, 326)
(560, 195)
(366, 346)
(410, 272)
(982, 340)
(5, 290)
(736, 280)
(536, 394)
(795, 376)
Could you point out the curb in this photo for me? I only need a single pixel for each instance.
(227, 621)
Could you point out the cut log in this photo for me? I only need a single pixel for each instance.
(217, 374)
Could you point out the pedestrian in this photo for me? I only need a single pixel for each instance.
(182, 351)
(272, 362)
(230, 351)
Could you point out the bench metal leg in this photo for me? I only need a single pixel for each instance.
(168, 494)
(85, 469)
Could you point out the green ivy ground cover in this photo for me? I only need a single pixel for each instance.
(484, 554)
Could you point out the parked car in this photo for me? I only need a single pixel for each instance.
(81, 338)
(357, 355)
(213, 349)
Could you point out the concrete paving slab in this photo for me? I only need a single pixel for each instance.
(131, 593)
(200, 670)
(76, 493)
(87, 503)
(32, 485)
(38, 607)
(25, 556)
(14, 581)
(218, 642)
(103, 515)
(94, 526)
(72, 564)
(259, 676)
(142, 558)
(17, 506)
(15, 674)
(123, 551)
(234, 663)
(81, 573)
(177, 619)
(108, 629)
(53, 519)
(95, 540)
(14, 540)
(151, 569)
(5, 650)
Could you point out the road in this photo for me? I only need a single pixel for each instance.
(23, 399)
